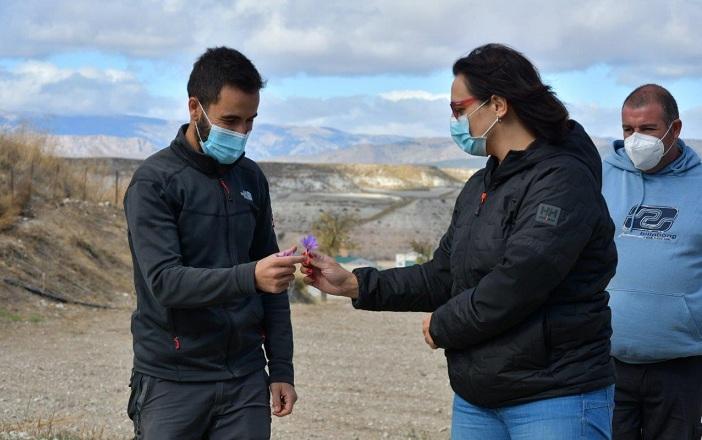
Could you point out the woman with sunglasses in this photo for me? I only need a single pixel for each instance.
(517, 284)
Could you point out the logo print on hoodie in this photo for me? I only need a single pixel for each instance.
(650, 222)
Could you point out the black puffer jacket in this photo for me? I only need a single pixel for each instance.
(517, 285)
(196, 230)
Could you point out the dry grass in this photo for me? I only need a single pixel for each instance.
(29, 173)
(51, 428)
(460, 174)
(396, 177)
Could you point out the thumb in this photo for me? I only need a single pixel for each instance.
(320, 261)
(275, 399)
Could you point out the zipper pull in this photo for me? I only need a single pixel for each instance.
(483, 198)
(226, 189)
(177, 342)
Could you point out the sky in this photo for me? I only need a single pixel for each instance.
(369, 67)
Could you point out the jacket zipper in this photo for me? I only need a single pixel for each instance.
(224, 186)
(228, 199)
(177, 343)
(174, 332)
(483, 199)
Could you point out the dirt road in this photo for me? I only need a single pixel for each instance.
(360, 375)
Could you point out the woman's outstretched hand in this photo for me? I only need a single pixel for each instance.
(324, 273)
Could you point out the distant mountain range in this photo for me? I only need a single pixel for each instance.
(137, 137)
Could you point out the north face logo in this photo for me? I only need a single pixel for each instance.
(247, 195)
(651, 222)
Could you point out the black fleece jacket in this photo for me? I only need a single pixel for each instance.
(196, 230)
(517, 284)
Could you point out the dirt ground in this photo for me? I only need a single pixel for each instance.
(360, 375)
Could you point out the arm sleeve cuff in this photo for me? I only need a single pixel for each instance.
(281, 372)
(245, 278)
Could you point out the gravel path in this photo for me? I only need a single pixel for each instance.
(360, 375)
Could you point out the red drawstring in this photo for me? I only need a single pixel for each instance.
(224, 185)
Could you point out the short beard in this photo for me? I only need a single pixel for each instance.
(203, 128)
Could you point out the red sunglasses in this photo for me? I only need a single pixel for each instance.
(457, 106)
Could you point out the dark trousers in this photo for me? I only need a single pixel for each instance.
(661, 401)
(233, 409)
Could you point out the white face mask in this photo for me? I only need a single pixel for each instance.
(646, 151)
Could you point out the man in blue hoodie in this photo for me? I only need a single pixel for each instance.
(653, 187)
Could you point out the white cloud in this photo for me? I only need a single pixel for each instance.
(597, 120)
(403, 95)
(361, 114)
(42, 87)
(692, 123)
(638, 38)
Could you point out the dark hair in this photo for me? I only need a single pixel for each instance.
(495, 69)
(653, 93)
(219, 67)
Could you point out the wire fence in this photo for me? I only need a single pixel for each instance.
(61, 181)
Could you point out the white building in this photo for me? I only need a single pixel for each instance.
(406, 260)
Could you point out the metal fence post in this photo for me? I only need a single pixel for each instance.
(31, 180)
(85, 185)
(12, 184)
(116, 186)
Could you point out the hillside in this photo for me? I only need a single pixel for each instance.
(63, 233)
(285, 177)
(60, 235)
(137, 137)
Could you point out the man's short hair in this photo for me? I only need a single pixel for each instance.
(653, 93)
(219, 67)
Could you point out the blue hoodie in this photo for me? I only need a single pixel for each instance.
(656, 294)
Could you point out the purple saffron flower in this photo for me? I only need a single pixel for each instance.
(309, 242)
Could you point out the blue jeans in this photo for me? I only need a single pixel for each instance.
(580, 416)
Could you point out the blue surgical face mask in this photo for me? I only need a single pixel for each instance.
(460, 132)
(223, 145)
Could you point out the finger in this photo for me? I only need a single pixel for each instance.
(288, 261)
(288, 252)
(287, 405)
(430, 342)
(312, 281)
(312, 274)
(280, 287)
(308, 270)
(284, 282)
(284, 272)
(319, 263)
(275, 399)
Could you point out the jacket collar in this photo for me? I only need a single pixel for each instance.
(576, 143)
(196, 159)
